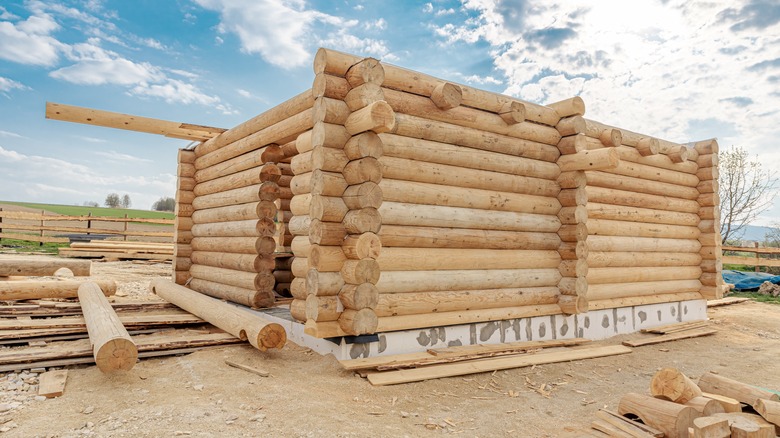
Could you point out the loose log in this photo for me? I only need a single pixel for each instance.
(366, 220)
(433, 259)
(768, 409)
(359, 296)
(363, 95)
(267, 154)
(742, 392)
(263, 281)
(443, 153)
(671, 384)
(710, 427)
(396, 213)
(606, 227)
(437, 237)
(365, 195)
(239, 212)
(267, 191)
(238, 262)
(367, 144)
(247, 297)
(599, 259)
(358, 322)
(728, 403)
(261, 333)
(744, 425)
(323, 283)
(418, 127)
(247, 228)
(448, 196)
(323, 308)
(447, 95)
(638, 185)
(646, 215)
(362, 246)
(421, 281)
(43, 268)
(705, 406)
(614, 291)
(574, 106)
(671, 418)
(112, 346)
(35, 290)
(415, 303)
(377, 117)
(239, 245)
(642, 200)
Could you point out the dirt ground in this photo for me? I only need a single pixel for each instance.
(308, 395)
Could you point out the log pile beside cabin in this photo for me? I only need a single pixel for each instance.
(407, 201)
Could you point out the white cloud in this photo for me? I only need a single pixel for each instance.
(344, 41)
(90, 139)
(97, 66)
(7, 85)
(476, 79)
(10, 134)
(5, 15)
(120, 157)
(29, 41)
(441, 12)
(379, 24)
(428, 8)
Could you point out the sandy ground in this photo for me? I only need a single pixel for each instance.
(308, 395)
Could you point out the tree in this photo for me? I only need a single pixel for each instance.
(746, 191)
(91, 204)
(126, 203)
(113, 201)
(164, 204)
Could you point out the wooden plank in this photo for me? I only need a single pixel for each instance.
(752, 250)
(485, 365)
(670, 337)
(52, 384)
(64, 337)
(167, 318)
(465, 350)
(677, 326)
(727, 301)
(108, 119)
(247, 368)
(633, 428)
(23, 215)
(67, 252)
(749, 261)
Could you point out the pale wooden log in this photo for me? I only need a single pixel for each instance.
(267, 191)
(326, 135)
(710, 427)
(239, 245)
(571, 126)
(328, 159)
(323, 308)
(367, 70)
(599, 159)
(185, 183)
(183, 210)
(600, 259)
(638, 185)
(330, 111)
(739, 391)
(326, 233)
(769, 409)
(671, 418)
(266, 154)
(359, 296)
(305, 140)
(605, 227)
(431, 259)
(238, 262)
(572, 180)
(447, 95)
(326, 85)
(728, 403)
(573, 197)
(302, 163)
(361, 246)
(182, 263)
(358, 322)
(611, 137)
(512, 112)
(182, 250)
(707, 146)
(300, 204)
(443, 153)
(266, 172)
(573, 106)
(394, 190)
(663, 162)
(328, 208)
(326, 258)
(360, 271)
(326, 183)
(238, 212)
(301, 184)
(301, 246)
(112, 346)
(363, 95)
(299, 225)
(261, 333)
(183, 223)
(573, 233)
(614, 291)
(247, 228)
(437, 237)
(39, 289)
(573, 286)
(411, 104)
(366, 195)
(573, 215)
(298, 288)
(612, 303)
(744, 425)
(300, 266)
(185, 156)
(418, 127)
(367, 144)
(298, 310)
(323, 283)
(271, 117)
(573, 144)
(43, 268)
(573, 304)
(421, 281)
(414, 303)
(184, 196)
(647, 215)
(573, 268)
(186, 170)
(183, 237)
(705, 406)
(642, 200)
(647, 146)
(678, 154)
(671, 384)
(247, 297)
(396, 213)
(377, 117)
(709, 200)
(181, 277)
(362, 170)
(245, 280)
(289, 150)
(365, 220)
(281, 132)
(642, 244)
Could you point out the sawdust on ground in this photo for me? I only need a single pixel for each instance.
(308, 395)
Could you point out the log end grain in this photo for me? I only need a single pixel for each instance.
(118, 354)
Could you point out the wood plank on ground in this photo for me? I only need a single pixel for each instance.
(492, 364)
(695, 333)
(727, 301)
(676, 327)
(52, 383)
(128, 320)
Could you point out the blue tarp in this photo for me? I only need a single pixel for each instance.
(748, 280)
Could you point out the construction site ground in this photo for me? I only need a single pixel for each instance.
(308, 395)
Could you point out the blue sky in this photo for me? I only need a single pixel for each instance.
(680, 70)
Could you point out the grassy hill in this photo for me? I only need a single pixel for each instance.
(75, 210)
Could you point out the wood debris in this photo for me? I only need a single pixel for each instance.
(672, 332)
(727, 301)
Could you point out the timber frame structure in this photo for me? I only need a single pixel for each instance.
(384, 200)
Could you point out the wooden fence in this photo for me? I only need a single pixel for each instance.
(756, 260)
(43, 228)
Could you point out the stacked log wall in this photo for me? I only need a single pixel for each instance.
(709, 215)
(185, 183)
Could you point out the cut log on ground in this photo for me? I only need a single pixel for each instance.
(742, 392)
(38, 289)
(112, 346)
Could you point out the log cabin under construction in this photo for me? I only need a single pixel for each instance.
(402, 211)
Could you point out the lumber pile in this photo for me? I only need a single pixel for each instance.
(471, 359)
(35, 267)
(118, 250)
(672, 332)
(677, 407)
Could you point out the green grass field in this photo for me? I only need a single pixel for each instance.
(75, 210)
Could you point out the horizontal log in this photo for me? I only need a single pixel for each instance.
(359, 296)
(301, 246)
(447, 96)
(377, 117)
(418, 127)
(624, 290)
(642, 274)
(600, 159)
(39, 289)
(421, 281)
(185, 183)
(328, 110)
(247, 280)
(574, 106)
(444, 153)
(253, 160)
(239, 245)
(394, 190)
(407, 322)
(247, 297)
(396, 213)
(300, 267)
(300, 204)
(360, 271)
(605, 227)
(238, 262)
(632, 199)
(415, 303)
(326, 258)
(327, 85)
(267, 191)
(365, 220)
(247, 228)
(237, 212)
(43, 267)
(432, 259)
(358, 322)
(249, 177)
(328, 208)
(632, 138)
(362, 246)
(366, 169)
(631, 301)
(322, 308)
(638, 185)
(420, 171)
(365, 195)
(367, 144)
(642, 244)
(601, 259)
(438, 237)
(646, 215)
(323, 283)
(7, 226)
(363, 95)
